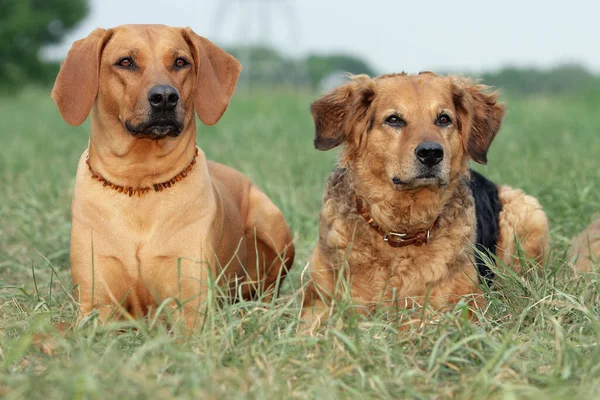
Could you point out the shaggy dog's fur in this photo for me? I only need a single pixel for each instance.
(382, 123)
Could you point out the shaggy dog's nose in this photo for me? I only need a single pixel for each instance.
(429, 153)
(163, 98)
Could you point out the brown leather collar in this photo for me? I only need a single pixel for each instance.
(394, 239)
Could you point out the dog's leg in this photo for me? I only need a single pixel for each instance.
(100, 285)
(191, 284)
(317, 294)
(315, 311)
(270, 248)
(521, 220)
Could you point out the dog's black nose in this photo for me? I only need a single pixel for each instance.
(163, 98)
(429, 153)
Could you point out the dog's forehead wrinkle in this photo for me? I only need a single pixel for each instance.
(180, 52)
(418, 100)
(415, 85)
(395, 95)
(120, 49)
(151, 39)
(433, 97)
(441, 108)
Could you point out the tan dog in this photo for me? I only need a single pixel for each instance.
(152, 218)
(399, 211)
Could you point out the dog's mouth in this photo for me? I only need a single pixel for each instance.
(427, 179)
(155, 129)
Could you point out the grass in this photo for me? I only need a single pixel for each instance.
(538, 337)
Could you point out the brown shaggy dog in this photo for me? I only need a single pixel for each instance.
(398, 212)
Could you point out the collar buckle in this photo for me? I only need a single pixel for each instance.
(394, 239)
(397, 237)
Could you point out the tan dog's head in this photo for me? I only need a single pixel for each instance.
(405, 132)
(146, 80)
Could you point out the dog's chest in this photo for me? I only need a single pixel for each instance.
(379, 264)
(379, 271)
(141, 231)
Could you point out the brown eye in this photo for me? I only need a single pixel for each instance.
(125, 62)
(181, 62)
(395, 121)
(443, 120)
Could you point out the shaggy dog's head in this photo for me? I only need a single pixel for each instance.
(407, 133)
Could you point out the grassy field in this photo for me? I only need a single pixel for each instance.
(538, 338)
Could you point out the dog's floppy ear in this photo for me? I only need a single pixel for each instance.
(479, 116)
(76, 85)
(217, 73)
(337, 112)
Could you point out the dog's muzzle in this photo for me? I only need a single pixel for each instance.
(163, 121)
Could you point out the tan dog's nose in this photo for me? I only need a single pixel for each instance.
(429, 153)
(163, 98)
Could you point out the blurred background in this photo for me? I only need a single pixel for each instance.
(520, 46)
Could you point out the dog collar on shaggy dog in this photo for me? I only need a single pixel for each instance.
(394, 239)
(129, 190)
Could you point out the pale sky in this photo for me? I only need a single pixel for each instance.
(392, 35)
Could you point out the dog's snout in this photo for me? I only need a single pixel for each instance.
(429, 153)
(163, 97)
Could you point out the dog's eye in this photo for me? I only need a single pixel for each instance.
(395, 121)
(443, 120)
(125, 62)
(181, 62)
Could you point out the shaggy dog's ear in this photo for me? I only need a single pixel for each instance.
(337, 113)
(479, 116)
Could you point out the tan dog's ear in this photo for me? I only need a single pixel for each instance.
(336, 113)
(76, 85)
(479, 116)
(217, 73)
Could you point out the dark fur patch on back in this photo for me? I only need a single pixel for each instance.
(487, 211)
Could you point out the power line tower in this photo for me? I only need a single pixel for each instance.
(257, 27)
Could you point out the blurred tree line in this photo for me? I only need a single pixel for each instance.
(567, 78)
(26, 26)
(263, 65)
